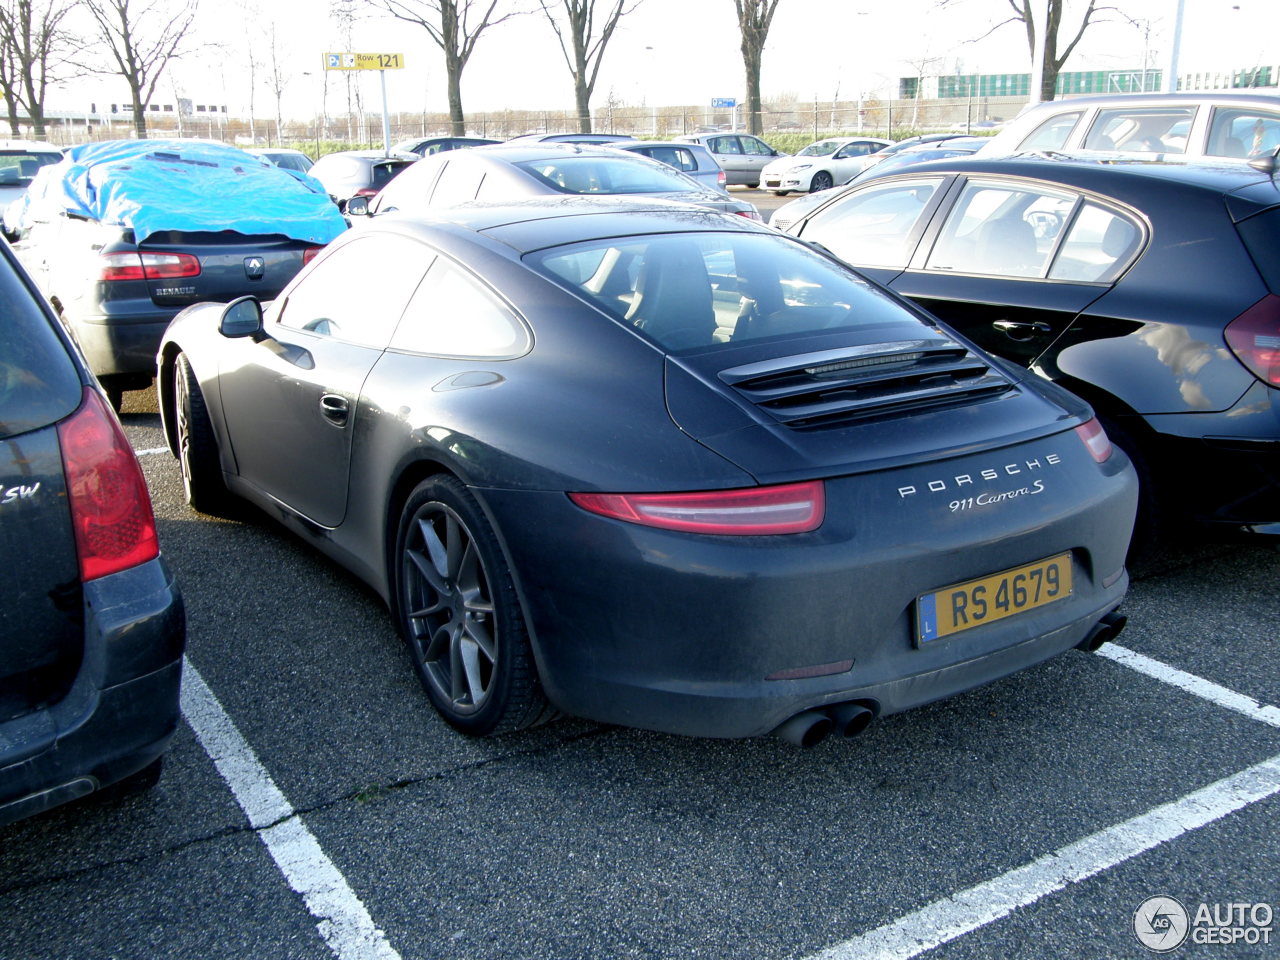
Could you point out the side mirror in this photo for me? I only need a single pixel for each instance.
(242, 318)
(357, 207)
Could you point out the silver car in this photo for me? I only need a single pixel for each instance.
(742, 156)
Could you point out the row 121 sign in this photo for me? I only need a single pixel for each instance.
(363, 61)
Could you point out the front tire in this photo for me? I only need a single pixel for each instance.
(457, 609)
(197, 447)
(821, 181)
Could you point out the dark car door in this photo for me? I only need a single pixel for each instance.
(290, 400)
(1007, 262)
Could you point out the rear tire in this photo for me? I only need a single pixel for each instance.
(197, 446)
(457, 610)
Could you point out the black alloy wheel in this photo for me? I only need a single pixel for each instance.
(197, 446)
(458, 612)
(821, 181)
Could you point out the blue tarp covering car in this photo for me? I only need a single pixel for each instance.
(180, 185)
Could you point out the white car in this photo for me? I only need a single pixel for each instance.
(820, 165)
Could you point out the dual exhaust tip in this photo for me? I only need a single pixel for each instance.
(811, 727)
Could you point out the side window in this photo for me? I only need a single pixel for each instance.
(452, 315)
(1053, 133)
(725, 145)
(458, 183)
(875, 227)
(1098, 247)
(854, 150)
(339, 302)
(1147, 130)
(756, 147)
(1001, 230)
(1243, 133)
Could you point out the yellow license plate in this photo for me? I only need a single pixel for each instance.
(963, 606)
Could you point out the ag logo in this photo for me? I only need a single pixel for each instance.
(1161, 924)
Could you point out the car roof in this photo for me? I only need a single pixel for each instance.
(1156, 99)
(526, 225)
(30, 146)
(371, 155)
(1086, 173)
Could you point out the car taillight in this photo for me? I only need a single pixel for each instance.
(1095, 440)
(755, 511)
(309, 254)
(367, 192)
(1254, 337)
(721, 178)
(110, 507)
(751, 215)
(147, 266)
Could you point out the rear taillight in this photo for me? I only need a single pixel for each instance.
(1095, 440)
(367, 192)
(756, 511)
(110, 508)
(147, 266)
(721, 178)
(309, 254)
(751, 215)
(1254, 337)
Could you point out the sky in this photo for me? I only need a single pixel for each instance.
(687, 52)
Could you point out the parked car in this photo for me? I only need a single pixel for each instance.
(282, 157)
(820, 165)
(1175, 126)
(506, 173)
(359, 173)
(92, 628)
(1150, 289)
(20, 161)
(426, 146)
(920, 152)
(655, 466)
(583, 139)
(741, 156)
(692, 159)
(122, 234)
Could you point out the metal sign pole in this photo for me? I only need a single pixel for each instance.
(386, 117)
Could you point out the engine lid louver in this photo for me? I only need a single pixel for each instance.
(867, 382)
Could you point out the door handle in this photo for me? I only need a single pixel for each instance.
(1021, 331)
(334, 409)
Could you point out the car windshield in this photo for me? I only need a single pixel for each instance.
(611, 175)
(699, 290)
(823, 148)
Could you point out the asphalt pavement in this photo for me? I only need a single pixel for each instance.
(314, 806)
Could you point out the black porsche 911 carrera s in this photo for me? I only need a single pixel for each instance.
(657, 466)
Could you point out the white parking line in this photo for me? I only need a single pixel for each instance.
(945, 920)
(343, 921)
(1189, 682)
(150, 451)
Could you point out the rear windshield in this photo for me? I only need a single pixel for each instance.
(1261, 236)
(698, 290)
(588, 175)
(39, 384)
(384, 171)
(18, 167)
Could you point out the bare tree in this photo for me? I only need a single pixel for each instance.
(582, 46)
(1049, 34)
(754, 18)
(9, 81)
(278, 77)
(141, 37)
(454, 26)
(36, 44)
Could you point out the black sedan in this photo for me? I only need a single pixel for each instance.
(1152, 290)
(92, 627)
(656, 466)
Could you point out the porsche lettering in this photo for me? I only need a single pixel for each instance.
(987, 474)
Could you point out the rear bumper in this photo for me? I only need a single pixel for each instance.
(122, 709)
(729, 636)
(116, 345)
